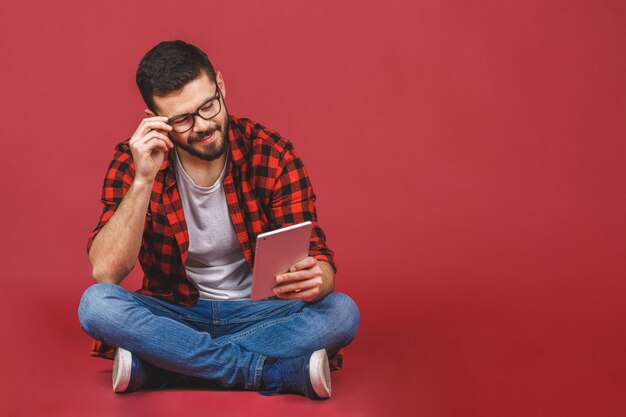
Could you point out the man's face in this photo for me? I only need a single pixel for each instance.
(208, 139)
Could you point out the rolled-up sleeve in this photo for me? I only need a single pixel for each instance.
(117, 181)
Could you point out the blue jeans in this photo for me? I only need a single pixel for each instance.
(224, 341)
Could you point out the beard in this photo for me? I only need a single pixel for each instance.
(213, 150)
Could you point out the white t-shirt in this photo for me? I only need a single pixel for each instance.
(215, 262)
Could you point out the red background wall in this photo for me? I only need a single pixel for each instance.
(469, 162)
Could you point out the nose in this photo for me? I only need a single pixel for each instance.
(200, 125)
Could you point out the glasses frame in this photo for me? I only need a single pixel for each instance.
(193, 115)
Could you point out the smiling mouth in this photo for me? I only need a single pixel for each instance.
(205, 139)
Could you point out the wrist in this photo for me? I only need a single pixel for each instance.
(141, 183)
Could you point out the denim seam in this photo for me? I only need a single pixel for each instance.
(256, 328)
(215, 318)
(258, 372)
(254, 318)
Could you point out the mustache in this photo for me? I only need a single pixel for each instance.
(202, 135)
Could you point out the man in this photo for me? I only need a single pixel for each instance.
(188, 193)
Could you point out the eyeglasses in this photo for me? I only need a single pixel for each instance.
(208, 110)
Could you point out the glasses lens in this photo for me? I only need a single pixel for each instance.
(211, 109)
(182, 124)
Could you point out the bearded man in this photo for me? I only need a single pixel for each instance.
(187, 195)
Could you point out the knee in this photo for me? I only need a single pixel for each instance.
(346, 313)
(93, 305)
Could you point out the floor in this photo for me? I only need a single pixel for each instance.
(454, 359)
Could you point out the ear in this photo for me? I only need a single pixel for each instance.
(220, 83)
(149, 113)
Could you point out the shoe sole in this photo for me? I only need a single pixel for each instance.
(319, 372)
(122, 367)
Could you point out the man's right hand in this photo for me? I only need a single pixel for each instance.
(148, 146)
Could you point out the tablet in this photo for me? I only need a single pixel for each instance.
(276, 252)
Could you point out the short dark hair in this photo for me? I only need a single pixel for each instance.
(168, 67)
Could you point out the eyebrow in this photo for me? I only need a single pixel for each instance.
(187, 114)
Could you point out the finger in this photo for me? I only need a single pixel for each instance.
(146, 126)
(163, 137)
(153, 143)
(154, 134)
(155, 118)
(149, 124)
(149, 145)
(298, 275)
(142, 137)
(305, 263)
(161, 119)
(298, 286)
(306, 295)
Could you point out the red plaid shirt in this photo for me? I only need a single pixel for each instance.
(266, 186)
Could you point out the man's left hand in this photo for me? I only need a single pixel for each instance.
(304, 281)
